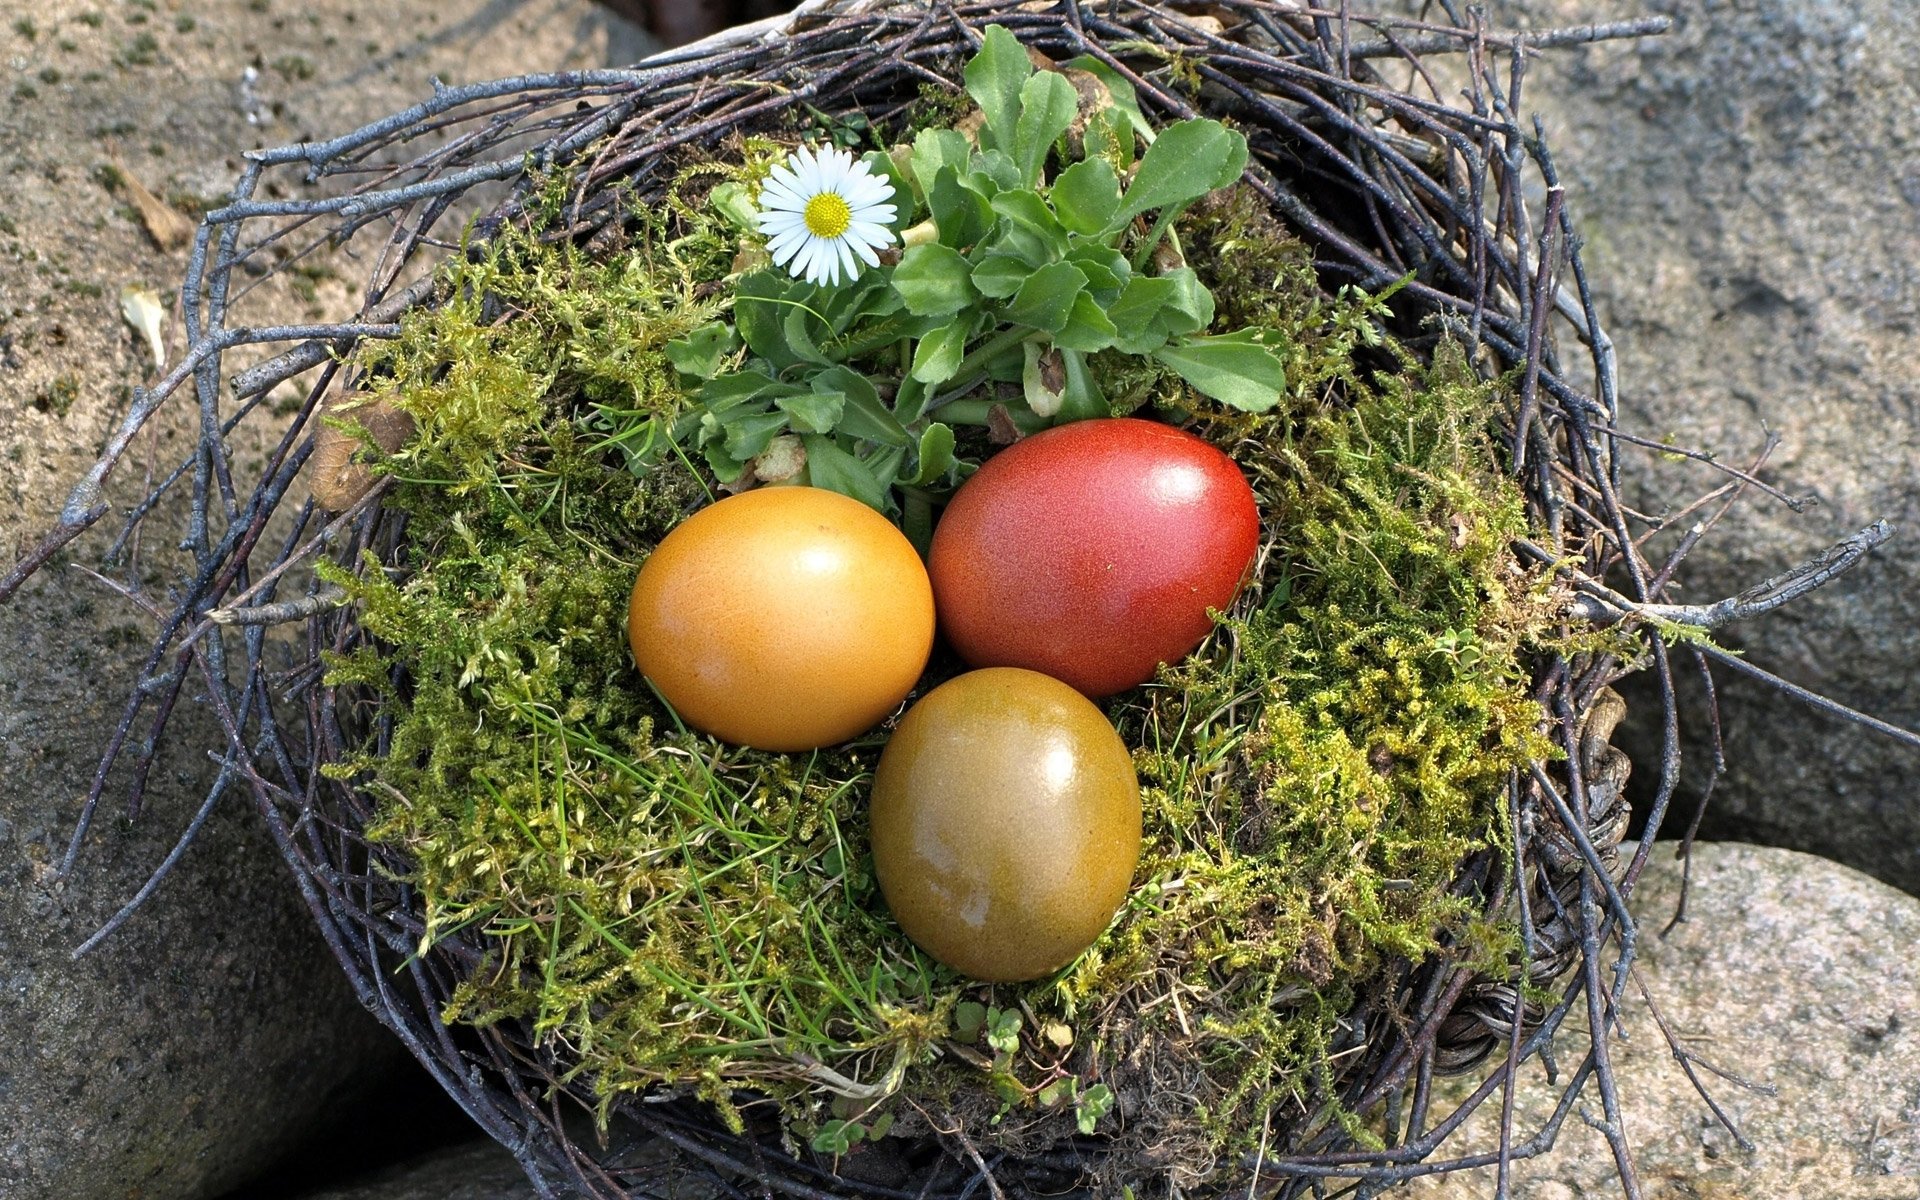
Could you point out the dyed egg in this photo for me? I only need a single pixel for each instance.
(1092, 552)
(783, 618)
(1005, 824)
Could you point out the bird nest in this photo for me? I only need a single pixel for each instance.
(1396, 197)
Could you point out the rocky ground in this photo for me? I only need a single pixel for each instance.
(1748, 187)
(211, 1036)
(1792, 974)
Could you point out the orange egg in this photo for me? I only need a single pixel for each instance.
(784, 618)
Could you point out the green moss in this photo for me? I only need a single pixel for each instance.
(142, 51)
(676, 911)
(56, 399)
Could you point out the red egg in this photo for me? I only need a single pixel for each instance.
(1091, 552)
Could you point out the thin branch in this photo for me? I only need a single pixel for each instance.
(1604, 607)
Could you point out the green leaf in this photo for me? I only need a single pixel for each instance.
(1029, 212)
(701, 352)
(728, 392)
(837, 1137)
(733, 200)
(994, 79)
(1086, 195)
(813, 412)
(1190, 306)
(725, 467)
(1106, 270)
(1188, 160)
(882, 166)
(1003, 1029)
(1135, 315)
(1045, 300)
(936, 148)
(969, 1018)
(884, 465)
(934, 280)
(1047, 106)
(1083, 399)
(752, 433)
(936, 454)
(1092, 1104)
(760, 306)
(961, 213)
(864, 416)
(995, 171)
(1231, 368)
(911, 401)
(830, 467)
(938, 355)
(1087, 328)
(1000, 275)
(801, 340)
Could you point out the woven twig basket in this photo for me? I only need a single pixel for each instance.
(1453, 191)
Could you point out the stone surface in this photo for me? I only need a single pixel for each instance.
(1796, 974)
(471, 1171)
(190, 1050)
(1749, 187)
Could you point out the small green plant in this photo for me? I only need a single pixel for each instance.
(1013, 273)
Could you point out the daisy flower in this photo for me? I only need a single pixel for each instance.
(821, 210)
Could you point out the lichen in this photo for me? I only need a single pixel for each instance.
(672, 911)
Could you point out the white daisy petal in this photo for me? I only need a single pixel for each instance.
(876, 214)
(807, 266)
(865, 234)
(785, 245)
(786, 177)
(775, 194)
(847, 263)
(864, 189)
(834, 164)
(864, 250)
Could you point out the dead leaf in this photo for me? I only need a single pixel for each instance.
(1001, 430)
(169, 228)
(142, 310)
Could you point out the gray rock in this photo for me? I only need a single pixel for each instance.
(475, 1171)
(193, 1048)
(1749, 186)
(1792, 972)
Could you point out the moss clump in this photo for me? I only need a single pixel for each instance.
(674, 911)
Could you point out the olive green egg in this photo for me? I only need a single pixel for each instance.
(1005, 824)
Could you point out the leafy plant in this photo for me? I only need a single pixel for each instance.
(1011, 275)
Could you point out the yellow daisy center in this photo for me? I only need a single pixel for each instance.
(827, 215)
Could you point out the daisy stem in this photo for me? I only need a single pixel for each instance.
(973, 368)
